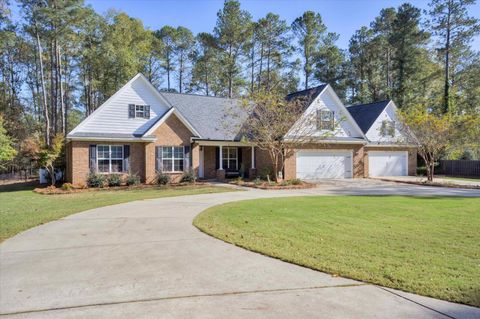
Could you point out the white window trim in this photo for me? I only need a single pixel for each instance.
(228, 157)
(320, 120)
(110, 159)
(173, 158)
(385, 126)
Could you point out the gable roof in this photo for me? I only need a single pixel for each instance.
(366, 114)
(214, 118)
(309, 94)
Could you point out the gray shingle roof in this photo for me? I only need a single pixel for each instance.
(366, 114)
(308, 95)
(107, 135)
(213, 117)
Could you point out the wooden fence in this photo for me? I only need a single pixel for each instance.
(460, 168)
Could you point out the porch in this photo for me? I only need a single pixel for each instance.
(223, 160)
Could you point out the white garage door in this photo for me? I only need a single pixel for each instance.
(315, 164)
(387, 163)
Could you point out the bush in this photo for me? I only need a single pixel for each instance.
(162, 179)
(114, 180)
(67, 187)
(132, 179)
(188, 177)
(265, 173)
(257, 181)
(95, 180)
(239, 180)
(295, 181)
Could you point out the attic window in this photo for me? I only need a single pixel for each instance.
(139, 111)
(387, 128)
(325, 120)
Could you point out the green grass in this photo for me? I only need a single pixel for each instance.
(21, 208)
(428, 246)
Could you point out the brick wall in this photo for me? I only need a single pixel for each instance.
(78, 161)
(171, 133)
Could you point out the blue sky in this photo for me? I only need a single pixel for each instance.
(341, 16)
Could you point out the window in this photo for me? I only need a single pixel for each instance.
(110, 158)
(139, 111)
(387, 128)
(172, 158)
(325, 120)
(230, 158)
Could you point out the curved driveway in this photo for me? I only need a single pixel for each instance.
(144, 259)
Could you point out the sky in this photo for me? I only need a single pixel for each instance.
(341, 16)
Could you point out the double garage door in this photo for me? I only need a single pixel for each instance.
(387, 163)
(319, 164)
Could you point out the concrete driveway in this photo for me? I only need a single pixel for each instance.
(144, 259)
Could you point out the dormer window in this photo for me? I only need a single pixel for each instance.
(139, 111)
(387, 129)
(325, 120)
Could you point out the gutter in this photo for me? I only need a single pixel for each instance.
(112, 139)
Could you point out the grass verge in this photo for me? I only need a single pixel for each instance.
(428, 246)
(21, 208)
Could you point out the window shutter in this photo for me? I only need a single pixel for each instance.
(147, 111)
(131, 110)
(239, 157)
(186, 158)
(126, 158)
(158, 159)
(217, 157)
(92, 155)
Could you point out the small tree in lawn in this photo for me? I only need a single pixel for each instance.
(280, 126)
(435, 134)
(49, 155)
(7, 151)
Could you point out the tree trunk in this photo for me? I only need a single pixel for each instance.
(446, 95)
(44, 92)
(62, 105)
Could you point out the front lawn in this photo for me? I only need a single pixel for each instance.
(429, 246)
(21, 208)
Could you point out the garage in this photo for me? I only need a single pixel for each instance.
(387, 163)
(320, 164)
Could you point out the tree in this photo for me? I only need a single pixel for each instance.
(49, 155)
(184, 46)
(232, 31)
(279, 126)
(455, 30)
(434, 134)
(310, 30)
(168, 38)
(7, 150)
(205, 67)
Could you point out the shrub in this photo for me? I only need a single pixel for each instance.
(265, 173)
(188, 177)
(114, 180)
(95, 180)
(285, 183)
(295, 181)
(239, 180)
(132, 179)
(162, 179)
(257, 181)
(67, 187)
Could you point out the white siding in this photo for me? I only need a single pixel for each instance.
(373, 133)
(343, 122)
(112, 116)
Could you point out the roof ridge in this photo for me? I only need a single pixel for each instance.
(312, 88)
(363, 104)
(198, 95)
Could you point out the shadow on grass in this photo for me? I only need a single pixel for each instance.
(20, 186)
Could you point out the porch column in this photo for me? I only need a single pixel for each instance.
(252, 172)
(220, 165)
(253, 157)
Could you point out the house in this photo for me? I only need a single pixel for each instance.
(142, 130)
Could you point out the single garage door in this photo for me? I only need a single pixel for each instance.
(387, 163)
(316, 164)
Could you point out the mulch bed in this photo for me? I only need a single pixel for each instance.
(266, 185)
(52, 190)
(435, 184)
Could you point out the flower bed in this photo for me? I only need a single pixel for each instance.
(52, 190)
(297, 184)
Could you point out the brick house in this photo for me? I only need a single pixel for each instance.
(142, 130)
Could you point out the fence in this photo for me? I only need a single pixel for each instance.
(462, 168)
